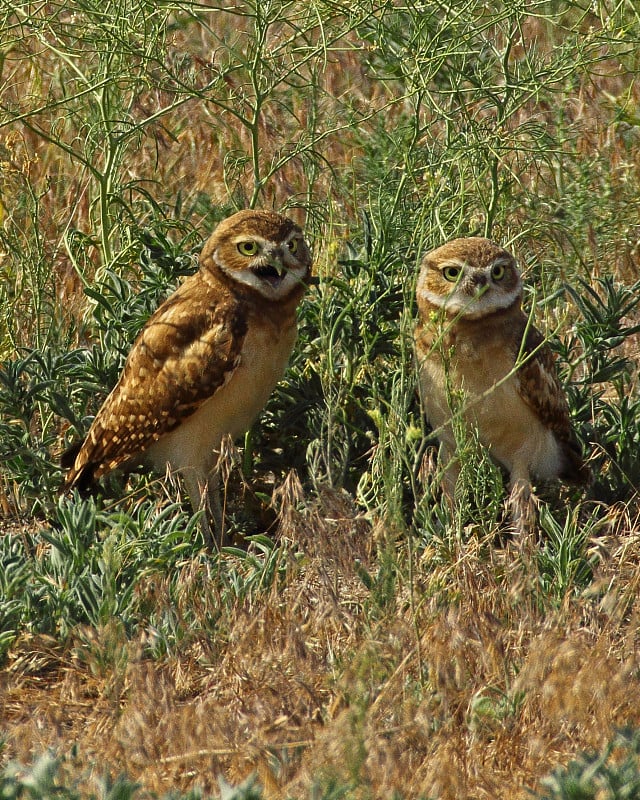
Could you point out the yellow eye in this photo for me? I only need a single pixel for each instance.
(248, 248)
(451, 273)
(293, 245)
(497, 272)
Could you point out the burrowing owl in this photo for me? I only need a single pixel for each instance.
(474, 341)
(206, 361)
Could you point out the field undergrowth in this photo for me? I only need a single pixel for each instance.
(360, 639)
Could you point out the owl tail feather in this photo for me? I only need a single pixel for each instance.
(81, 479)
(575, 471)
(68, 458)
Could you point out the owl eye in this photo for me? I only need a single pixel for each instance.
(451, 273)
(497, 272)
(293, 245)
(248, 248)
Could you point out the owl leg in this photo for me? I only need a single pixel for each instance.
(450, 467)
(521, 502)
(204, 493)
(214, 511)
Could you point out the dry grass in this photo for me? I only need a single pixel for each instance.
(478, 691)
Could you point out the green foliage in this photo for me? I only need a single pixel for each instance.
(565, 562)
(612, 774)
(32, 393)
(603, 379)
(27, 299)
(83, 570)
(359, 351)
(247, 790)
(94, 566)
(45, 779)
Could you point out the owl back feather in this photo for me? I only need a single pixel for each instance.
(540, 388)
(185, 352)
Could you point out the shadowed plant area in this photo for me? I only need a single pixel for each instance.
(361, 638)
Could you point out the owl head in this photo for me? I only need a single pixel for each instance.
(469, 278)
(261, 250)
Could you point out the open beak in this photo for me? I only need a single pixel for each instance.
(272, 270)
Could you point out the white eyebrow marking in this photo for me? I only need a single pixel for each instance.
(505, 259)
(453, 262)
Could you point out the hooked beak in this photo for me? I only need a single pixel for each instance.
(272, 270)
(479, 285)
(276, 263)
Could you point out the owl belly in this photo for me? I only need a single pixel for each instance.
(513, 434)
(490, 402)
(233, 408)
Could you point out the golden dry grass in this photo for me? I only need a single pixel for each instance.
(476, 690)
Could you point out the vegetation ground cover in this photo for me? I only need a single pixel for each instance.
(360, 639)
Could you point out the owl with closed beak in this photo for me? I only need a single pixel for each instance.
(474, 342)
(205, 363)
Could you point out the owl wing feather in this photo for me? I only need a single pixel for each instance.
(540, 388)
(188, 349)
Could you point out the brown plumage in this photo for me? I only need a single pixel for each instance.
(206, 361)
(473, 338)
